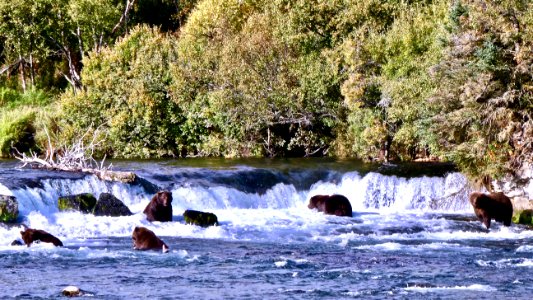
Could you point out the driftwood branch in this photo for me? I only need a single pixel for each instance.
(77, 157)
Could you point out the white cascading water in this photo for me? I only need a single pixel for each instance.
(370, 192)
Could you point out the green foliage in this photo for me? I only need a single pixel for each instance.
(22, 119)
(482, 109)
(374, 79)
(17, 131)
(249, 90)
(11, 99)
(523, 217)
(457, 11)
(94, 20)
(387, 84)
(127, 89)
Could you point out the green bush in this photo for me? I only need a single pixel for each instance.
(128, 96)
(11, 99)
(387, 83)
(481, 110)
(17, 131)
(250, 85)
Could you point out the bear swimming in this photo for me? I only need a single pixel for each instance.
(145, 239)
(332, 205)
(495, 206)
(31, 235)
(160, 207)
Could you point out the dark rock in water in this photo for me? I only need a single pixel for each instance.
(120, 176)
(9, 208)
(81, 202)
(148, 187)
(17, 243)
(109, 205)
(418, 169)
(523, 217)
(199, 218)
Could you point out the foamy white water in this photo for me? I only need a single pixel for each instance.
(408, 237)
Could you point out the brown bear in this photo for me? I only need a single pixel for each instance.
(145, 239)
(31, 235)
(495, 206)
(332, 205)
(160, 207)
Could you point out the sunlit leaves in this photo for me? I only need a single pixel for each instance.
(127, 88)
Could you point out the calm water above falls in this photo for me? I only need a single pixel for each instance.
(408, 238)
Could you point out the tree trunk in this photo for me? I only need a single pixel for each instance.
(22, 74)
(75, 79)
(32, 72)
(124, 17)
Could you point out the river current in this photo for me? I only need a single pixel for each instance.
(413, 235)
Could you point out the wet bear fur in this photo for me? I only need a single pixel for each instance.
(31, 235)
(160, 207)
(495, 206)
(145, 239)
(332, 205)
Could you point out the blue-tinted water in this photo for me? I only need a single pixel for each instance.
(408, 238)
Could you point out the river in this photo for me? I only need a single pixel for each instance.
(413, 235)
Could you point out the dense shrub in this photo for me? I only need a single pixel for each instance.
(249, 87)
(127, 97)
(374, 79)
(17, 131)
(482, 108)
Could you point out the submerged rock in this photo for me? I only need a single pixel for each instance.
(120, 176)
(200, 218)
(9, 208)
(82, 202)
(17, 243)
(523, 217)
(109, 205)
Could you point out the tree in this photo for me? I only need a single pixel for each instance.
(20, 30)
(127, 88)
(251, 89)
(42, 30)
(482, 109)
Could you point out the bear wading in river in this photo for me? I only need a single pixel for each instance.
(331, 205)
(145, 239)
(495, 206)
(160, 207)
(31, 235)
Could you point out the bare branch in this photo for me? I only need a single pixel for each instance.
(124, 17)
(77, 157)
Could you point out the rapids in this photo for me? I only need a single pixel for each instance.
(413, 234)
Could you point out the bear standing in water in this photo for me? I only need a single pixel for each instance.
(331, 205)
(495, 206)
(145, 239)
(160, 207)
(31, 235)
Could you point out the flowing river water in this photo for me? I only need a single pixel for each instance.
(413, 235)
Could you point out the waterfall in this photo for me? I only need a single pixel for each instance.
(370, 191)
